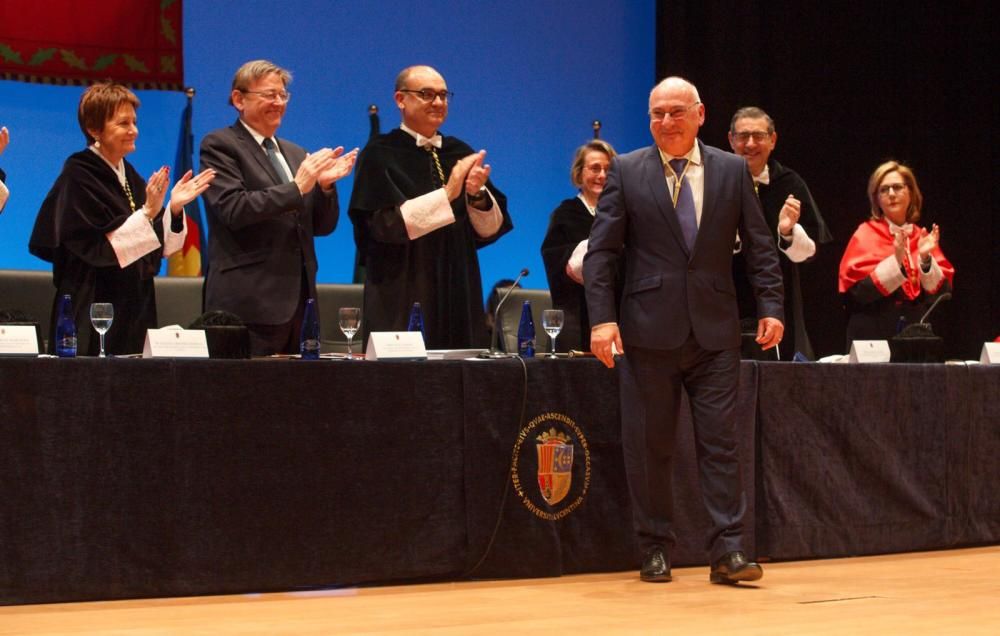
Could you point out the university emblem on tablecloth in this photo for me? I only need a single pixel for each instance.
(555, 465)
(560, 452)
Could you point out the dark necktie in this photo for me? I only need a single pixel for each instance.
(684, 203)
(272, 154)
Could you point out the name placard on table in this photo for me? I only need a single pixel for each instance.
(18, 340)
(173, 342)
(395, 345)
(867, 351)
(990, 353)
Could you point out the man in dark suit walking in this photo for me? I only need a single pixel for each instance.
(671, 211)
(269, 199)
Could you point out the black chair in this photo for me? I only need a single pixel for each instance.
(178, 299)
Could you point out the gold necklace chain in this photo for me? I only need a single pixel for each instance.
(437, 162)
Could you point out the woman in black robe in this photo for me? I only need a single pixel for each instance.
(103, 227)
(566, 242)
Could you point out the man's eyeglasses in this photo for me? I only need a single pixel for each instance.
(757, 136)
(895, 188)
(674, 113)
(427, 95)
(271, 96)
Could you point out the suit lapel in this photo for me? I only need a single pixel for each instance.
(256, 151)
(657, 182)
(712, 180)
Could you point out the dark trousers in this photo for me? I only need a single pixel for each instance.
(650, 391)
(266, 340)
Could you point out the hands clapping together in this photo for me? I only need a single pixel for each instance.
(468, 175)
(186, 190)
(325, 166)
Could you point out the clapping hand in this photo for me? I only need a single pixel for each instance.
(478, 174)
(899, 246)
(188, 188)
(315, 164)
(460, 172)
(4, 138)
(156, 190)
(789, 215)
(928, 242)
(342, 166)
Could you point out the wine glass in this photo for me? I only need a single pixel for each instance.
(350, 321)
(552, 322)
(101, 316)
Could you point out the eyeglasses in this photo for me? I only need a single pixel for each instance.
(757, 136)
(895, 188)
(427, 95)
(674, 113)
(271, 96)
(596, 169)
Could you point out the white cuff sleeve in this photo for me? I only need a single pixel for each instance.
(887, 275)
(4, 193)
(575, 263)
(486, 223)
(133, 239)
(426, 213)
(931, 280)
(802, 246)
(173, 242)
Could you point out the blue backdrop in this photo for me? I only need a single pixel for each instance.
(529, 78)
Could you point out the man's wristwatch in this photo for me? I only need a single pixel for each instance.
(478, 197)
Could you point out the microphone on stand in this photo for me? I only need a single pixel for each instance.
(944, 296)
(493, 353)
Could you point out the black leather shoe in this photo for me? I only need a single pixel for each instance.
(734, 567)
(655, 567)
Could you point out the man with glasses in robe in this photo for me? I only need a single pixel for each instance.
(269, 199)
(796, 224)
(423, 204)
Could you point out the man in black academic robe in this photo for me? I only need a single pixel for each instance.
(421, 207)
(794, 219)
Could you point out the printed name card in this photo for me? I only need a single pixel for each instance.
(172, 342)
(18, 340)
(865, 351)
(395, 345)
(990, 354)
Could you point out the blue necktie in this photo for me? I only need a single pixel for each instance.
(272, 154)
(686, 215)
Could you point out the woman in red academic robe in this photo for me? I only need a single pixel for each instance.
(892, 269)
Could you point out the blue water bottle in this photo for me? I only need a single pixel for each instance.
(309, 338)
(526, 332)
(417, 321)
(66, 329)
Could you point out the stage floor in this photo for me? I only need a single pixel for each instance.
(941, 592)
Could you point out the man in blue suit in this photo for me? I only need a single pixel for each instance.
(670, 212)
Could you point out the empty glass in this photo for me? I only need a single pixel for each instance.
(101, 317)
(350, 322)
(552, 322)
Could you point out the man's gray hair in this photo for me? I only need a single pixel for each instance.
(253, 71)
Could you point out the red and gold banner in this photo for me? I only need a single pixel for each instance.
(135, 42)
